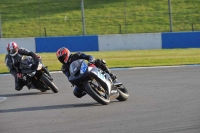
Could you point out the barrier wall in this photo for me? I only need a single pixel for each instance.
(28, 43)
(107, 42)
(181, 40)
(130, 41)
(73, 43)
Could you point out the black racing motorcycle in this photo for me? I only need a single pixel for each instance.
(35, 75)
(97, 83)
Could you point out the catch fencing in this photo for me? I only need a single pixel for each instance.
(39, 18)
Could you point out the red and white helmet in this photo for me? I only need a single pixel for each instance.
(12, 48)
(63, 54)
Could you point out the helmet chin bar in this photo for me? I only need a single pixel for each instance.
(13, 54)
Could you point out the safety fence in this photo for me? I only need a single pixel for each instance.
(40, 18)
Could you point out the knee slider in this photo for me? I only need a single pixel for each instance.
(77, 92)
(78, 95)
(18, 88)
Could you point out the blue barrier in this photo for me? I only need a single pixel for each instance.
(181, 40)
(90, 43)
(73, 43)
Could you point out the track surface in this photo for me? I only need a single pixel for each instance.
(162, 100)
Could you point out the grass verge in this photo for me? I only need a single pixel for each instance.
(128, 58)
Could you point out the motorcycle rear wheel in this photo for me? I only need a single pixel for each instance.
(97, 95)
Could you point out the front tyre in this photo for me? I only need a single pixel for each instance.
(49, 83)
(97, 93)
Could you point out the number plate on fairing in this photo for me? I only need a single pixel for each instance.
(101, 75)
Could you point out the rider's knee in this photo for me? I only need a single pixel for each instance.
(18, 88)
(78, 93)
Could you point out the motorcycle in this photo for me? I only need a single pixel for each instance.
(97, 83)
(36, 77)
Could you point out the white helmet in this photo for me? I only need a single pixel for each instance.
(12, 48)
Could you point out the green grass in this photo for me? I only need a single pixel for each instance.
(128, 58)
(31, 18)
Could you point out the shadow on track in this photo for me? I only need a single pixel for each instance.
(53, 107)
(23, 94)
(49, 107)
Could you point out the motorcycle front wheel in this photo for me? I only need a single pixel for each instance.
(49, 83)
(96, 91)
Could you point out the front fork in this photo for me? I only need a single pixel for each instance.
(45, 69)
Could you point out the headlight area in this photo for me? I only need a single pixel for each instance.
(39, 66)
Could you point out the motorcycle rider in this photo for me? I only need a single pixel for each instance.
(12, 61)
(66, 58)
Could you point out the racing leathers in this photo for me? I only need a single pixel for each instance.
(79, 55)
(13, 62)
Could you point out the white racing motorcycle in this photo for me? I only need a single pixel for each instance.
(96, 83)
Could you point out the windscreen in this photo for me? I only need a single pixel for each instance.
(75, 67)
(25, 62)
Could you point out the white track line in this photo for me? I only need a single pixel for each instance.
(2, 99)
(130, 68)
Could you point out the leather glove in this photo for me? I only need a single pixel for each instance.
(19, 75)
(91, 62)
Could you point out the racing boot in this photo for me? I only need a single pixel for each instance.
(113, 77)
(18, 84)
(102, 64)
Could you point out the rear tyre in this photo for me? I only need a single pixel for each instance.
(123, 93)
(94, 91)
(49, 83)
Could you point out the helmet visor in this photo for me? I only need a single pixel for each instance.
(61, 59)
(64, 58)
(12, 51)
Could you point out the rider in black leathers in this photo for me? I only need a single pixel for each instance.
(66, 58)
(12, 61)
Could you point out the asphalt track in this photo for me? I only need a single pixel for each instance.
(162, 100)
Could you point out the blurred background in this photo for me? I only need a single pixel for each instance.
(38, 18)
